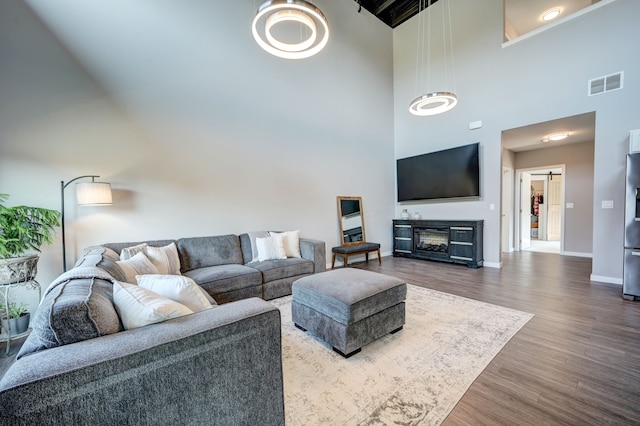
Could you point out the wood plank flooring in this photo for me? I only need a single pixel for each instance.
(577, 362)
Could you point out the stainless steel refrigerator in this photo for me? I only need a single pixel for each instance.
(631, 281)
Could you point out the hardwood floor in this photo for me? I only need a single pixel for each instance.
(577, 362)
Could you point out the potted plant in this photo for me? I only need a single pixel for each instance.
(23, 230)
(18, 320)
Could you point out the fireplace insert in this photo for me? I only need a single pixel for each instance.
(432, 240)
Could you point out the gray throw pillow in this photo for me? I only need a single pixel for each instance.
(104, 258)
(75, 310)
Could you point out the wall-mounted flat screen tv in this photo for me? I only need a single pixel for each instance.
(451, 173)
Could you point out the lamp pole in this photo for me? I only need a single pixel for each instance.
(63, 186)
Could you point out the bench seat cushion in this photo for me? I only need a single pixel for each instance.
(356, 248)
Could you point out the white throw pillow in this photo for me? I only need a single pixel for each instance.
(270, 248)
(252, 239)
(138, 306)
(165, 258)
(128, 252)
(291, 242)
(137, 265)
(178, 288)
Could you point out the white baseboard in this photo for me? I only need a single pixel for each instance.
(609, 280)
(576, 254)
(492, 264)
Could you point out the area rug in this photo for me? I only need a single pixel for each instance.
(413, 377)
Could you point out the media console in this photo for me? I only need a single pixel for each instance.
(455, 241)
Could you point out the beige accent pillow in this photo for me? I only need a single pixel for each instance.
(178, 288)
(137, 265)
(291, 242)
(128, 252)
(138, 306)
(165, 258)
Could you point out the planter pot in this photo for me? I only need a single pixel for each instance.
(18, 269)
(17, 325)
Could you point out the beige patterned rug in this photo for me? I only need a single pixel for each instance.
(413, 377)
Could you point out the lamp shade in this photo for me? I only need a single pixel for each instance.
(93, 193)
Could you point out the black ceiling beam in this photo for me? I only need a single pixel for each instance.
(393, 12)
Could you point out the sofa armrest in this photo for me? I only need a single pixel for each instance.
(219, 366)
(315, 251)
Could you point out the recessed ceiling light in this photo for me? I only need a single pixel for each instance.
(551, 14)
(555, 137)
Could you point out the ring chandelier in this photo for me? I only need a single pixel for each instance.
(436, 102)
(433, 103)
(314, 29)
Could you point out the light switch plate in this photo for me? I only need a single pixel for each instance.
(607, 204)
(569, 205)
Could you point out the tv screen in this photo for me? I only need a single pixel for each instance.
(452, 173)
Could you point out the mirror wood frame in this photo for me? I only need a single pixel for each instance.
(340, 199)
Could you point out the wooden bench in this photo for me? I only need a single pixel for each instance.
(354, 249)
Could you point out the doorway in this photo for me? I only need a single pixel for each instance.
(530, 152)
(539, 201)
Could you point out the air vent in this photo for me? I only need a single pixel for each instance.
(605, 84)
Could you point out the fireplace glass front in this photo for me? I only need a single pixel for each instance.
(431, 240)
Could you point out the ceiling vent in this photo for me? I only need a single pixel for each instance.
(605, 84)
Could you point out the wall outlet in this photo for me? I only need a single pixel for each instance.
(607, 204)
(492, 206)
(569, 205)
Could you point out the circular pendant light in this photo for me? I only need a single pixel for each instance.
(433, 103)
(313, 28)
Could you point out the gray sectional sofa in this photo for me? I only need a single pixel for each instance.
(223, 266)
(220, 366)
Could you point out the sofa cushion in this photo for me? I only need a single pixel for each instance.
(75, 310)
(138, 306)
(224, 278)
(177, 288)
(201, 252)
(277, 269)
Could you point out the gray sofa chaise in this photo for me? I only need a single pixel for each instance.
(219, 366)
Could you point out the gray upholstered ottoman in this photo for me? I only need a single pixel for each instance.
(349, 308)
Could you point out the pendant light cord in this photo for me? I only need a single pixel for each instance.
(453, 65)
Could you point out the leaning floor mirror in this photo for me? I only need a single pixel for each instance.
(351, 218)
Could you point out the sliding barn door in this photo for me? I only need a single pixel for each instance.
(554, 209)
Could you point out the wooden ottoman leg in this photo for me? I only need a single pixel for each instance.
(379, 257)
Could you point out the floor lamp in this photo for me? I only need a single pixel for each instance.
(88, 194)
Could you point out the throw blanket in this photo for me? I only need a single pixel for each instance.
(79, 272)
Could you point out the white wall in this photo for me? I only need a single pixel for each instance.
(199, 131)
(535, 80)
